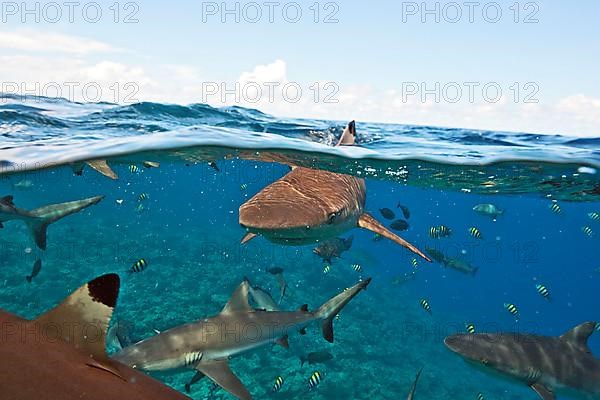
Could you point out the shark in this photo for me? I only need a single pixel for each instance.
(38, 220)
(551, 366)
(206, 345)
(413, 389)
(61, 354)
(308, 206)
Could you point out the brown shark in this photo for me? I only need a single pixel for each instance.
(61, 354)
(308, 206)
(37, 220)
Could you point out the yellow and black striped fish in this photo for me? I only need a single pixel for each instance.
(480, 396)
(444, 231)
(512, 309)
(139, 265)
(357, 267)
(470, 328)
(143, 196)
(414, 263)
(475, 232)
(134, 169)
(587, 231)
(555, 208)
(594, 216)
(434, 233)
(315, 379)
(425, 304)
(543, 290)
(243, 186)
(278, 384)
(326, 269)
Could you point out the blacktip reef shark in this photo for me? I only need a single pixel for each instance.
(308, 206)
(206, 345)
(37, 220)
(561, 365)
(61, 354)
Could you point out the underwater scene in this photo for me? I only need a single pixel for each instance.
(310, 259)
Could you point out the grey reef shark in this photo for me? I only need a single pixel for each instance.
(309, 206)
(61, 354)
(37, 220)
(206, 345)
(551, 366)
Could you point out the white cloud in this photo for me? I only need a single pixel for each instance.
(38, 41)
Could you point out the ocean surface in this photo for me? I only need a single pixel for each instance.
(188, 232)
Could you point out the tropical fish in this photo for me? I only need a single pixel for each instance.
(555, 208)
(277, 385)
(333, 248)
(414, 263)
(480, 396)
(543, 290)
(356, 267)
(326, 269)
(138, 266)
(37, 267)
(377, 237)
(316, 357)
(587, 231)
(315, 380)
(399, 225)
(488, 210)
(143, 196)
(437, 232)
(475, 232)
(512, 309)
(405, 211)
(551, 366)
(308, 206)
(470, 328)
(425, 304)
(594, 216)
(387, 213)
(243, 186)
(134, 169)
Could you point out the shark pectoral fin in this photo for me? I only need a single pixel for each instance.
(107, 366)
(283, 342)
(220, 373)
(248, 237)
(197, 377)
(368, 222)
(38, 229)
(579, 336)
(85, 314)
(102, 167)
(238, 302)
(543, 391)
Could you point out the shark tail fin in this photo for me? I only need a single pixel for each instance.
(332, 307)
(44, 216)
(82, 319)
(366, 221)
(348, 138)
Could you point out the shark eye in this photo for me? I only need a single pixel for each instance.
(332, 217)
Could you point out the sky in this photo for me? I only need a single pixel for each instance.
(506, 65)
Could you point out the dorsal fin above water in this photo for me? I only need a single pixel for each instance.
(238, 302)
(349, 136)
(579, 336)
(82, 319)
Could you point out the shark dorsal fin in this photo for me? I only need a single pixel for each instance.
(238, 302)
(349, 136)
(103, 167)
(82, 319)
(579, 336)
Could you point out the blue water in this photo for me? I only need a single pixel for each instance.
(189, 233)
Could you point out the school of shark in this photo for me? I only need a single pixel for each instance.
(62, 354)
